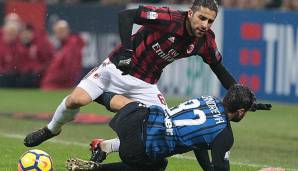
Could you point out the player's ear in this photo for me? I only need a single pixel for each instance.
(238, 115)
(241, 112)
(190, 13)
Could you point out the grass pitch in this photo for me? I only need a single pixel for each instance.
(267, 138)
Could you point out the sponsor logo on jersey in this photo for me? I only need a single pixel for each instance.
(169, 56)
(190, 48)
(152, 15)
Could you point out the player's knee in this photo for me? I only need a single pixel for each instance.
(77, 99)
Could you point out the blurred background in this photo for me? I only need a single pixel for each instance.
(52, 44)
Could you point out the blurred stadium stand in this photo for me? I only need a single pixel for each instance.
(96, 22)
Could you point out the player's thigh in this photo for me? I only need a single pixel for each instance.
(149, 95)
(129, 130)
(107, 78)
(96, 81)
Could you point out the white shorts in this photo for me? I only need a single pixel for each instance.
(107, 77)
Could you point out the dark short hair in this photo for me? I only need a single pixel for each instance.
(211, 4)
(238, 97)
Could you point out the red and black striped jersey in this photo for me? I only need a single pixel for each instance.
(162, 39)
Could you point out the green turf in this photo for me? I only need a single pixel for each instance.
(262, 138)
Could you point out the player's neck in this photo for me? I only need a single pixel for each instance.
(188, 29)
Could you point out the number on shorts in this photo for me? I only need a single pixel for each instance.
(161, 99)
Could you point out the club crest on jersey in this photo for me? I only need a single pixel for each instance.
(190, 48)
(152, 15)
(96, 76)
(171, 39)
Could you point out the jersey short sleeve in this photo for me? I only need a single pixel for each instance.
(151, 16)
(209, 51)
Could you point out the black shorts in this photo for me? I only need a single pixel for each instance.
(128, 124)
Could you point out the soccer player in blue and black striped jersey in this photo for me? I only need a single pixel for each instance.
(148, 135)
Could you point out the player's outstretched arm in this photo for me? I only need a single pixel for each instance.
(202, 157)
(226, 79)
(125, 25)
(221, 144)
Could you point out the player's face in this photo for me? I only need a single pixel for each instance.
(238, 115)
(200, 21)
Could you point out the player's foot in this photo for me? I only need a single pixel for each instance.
(75, 164)
(97, 155)
(37, 137)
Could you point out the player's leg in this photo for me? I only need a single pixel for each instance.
(64, 113)
(129, 128)
(141, 166)
(101, 148)
(76, 164)
(88, 90)
(68, 108)
(113, 102)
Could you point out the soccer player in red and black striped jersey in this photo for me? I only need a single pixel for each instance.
(165, 36)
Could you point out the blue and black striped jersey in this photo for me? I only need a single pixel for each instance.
(192, 124)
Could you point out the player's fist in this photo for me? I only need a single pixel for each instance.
(260, 106)
(124, 63)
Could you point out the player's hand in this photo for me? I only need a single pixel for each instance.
(260, 106)
(124, 63)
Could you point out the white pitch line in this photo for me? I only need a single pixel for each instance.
(19, 136)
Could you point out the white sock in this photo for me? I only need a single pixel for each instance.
(61, 116)
(111, 145)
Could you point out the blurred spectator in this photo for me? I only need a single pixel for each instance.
(12, 17)
(294, 5)
(10, 53)
(65, 68)
(251, 4)
(228, 3)
(37, 55)
(286, 4)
